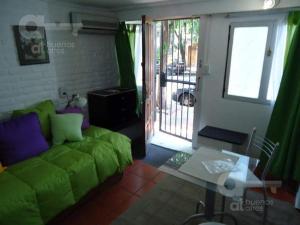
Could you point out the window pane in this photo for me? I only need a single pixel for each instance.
(247, 59)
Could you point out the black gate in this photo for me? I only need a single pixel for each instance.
(176, 68)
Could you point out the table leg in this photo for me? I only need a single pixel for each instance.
(223, 208)
(210, 197)
(209, 210)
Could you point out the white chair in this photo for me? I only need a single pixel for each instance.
(268, 148)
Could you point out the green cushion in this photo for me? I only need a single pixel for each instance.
(18, 202)
(50, 183)
(79, 166)
(43, 110)
(66, 127)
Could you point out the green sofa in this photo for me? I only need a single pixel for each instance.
(34, 191)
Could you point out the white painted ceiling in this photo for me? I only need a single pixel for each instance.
(116, 4)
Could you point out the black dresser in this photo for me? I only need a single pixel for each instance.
(114, 109)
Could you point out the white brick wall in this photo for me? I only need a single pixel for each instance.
(90, 64)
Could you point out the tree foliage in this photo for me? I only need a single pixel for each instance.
(181, 32)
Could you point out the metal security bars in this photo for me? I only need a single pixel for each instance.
(176, 66)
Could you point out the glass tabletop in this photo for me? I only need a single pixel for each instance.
(192, 168)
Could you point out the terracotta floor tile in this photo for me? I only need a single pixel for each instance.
(100, 199)
(147, 187)
(114, 188)
(126, 172)
(145, 171)
(138, 161)
(118, 198)
(91, 214)
(115, 197)
(132, 183)
(72, 220)
(159, 177)
(281, 194)
(136, 164)
(108, 218)
(126, 204)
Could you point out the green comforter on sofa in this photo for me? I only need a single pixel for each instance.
(34, 191)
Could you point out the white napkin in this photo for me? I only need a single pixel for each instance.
(219, 166)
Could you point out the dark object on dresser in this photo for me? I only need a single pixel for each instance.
(114, 109)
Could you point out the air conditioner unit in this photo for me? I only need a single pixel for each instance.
(93, 23)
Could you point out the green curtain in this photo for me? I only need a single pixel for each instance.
(293, 19)
(125, 61)
(131, 29)
(284, 126)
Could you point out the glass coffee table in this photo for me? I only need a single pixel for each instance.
(231, 182)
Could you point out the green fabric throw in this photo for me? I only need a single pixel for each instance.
(284, 126)
(19, 203)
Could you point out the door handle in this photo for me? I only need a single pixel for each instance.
(198, 83)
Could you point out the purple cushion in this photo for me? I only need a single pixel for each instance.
(21, 138)
(85, 122)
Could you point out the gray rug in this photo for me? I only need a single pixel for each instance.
(157, 156)
(173, 200)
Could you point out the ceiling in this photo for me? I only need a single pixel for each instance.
(117, 4)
